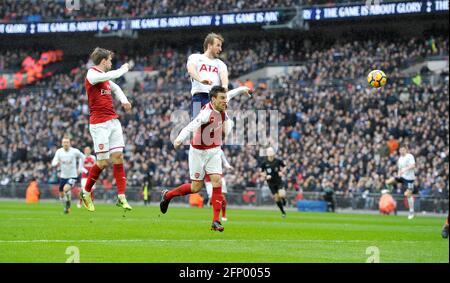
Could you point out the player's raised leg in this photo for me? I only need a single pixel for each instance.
(94, 173)
(182, 190)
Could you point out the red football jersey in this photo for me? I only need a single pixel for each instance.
(89, 161)
(209, 135)
(101, 108)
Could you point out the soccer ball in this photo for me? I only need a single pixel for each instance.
(377, 78)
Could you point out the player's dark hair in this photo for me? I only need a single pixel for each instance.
(99, 54)
(209, 39)
(215, 91)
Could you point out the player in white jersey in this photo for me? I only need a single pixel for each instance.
(207, 70)
(66, 158)
(209, 186)
(406, 176)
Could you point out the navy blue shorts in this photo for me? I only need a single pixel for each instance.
(407, 184)
(199, 100)
(64, 181)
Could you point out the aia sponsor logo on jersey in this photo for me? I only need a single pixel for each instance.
(197, 175)
(209, 68)
(105, 91)
(101, 146)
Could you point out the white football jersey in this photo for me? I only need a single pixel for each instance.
(208, 69)
(68, 162)
(404, 161)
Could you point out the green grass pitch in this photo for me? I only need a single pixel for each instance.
(41, 233)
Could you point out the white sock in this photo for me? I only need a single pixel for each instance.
(411, 204)
(121, 195)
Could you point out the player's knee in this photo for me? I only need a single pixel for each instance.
(102, 164)
(216, 180)
(117, 157)
(196, 186)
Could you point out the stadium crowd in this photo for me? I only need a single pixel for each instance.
(336, 132)
(38, 10)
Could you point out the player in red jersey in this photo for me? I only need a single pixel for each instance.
(104, 125)
(89, 161)
(205, 153)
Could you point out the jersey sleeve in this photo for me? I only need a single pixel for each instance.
(411, 160)
(232, 93)
(228, 124)
(202, 118)
(192, 59)
(55, 159)
(223, 67)
(96, 77)
(118, 92)
(80, 157)
(262, 167)
(224, 159)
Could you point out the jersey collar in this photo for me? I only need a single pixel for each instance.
(97, 69)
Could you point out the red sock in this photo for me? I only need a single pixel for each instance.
(92, 178)
(121, 179)
(217, 199)
(182, 190)
(224, 207)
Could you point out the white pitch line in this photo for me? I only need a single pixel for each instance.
(200, 240)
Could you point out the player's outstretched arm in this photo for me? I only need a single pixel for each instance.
(239, 90)
(96, 77)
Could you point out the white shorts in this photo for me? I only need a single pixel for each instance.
(209, 187)
(83, 183)
(201, 162)
(107, 137)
